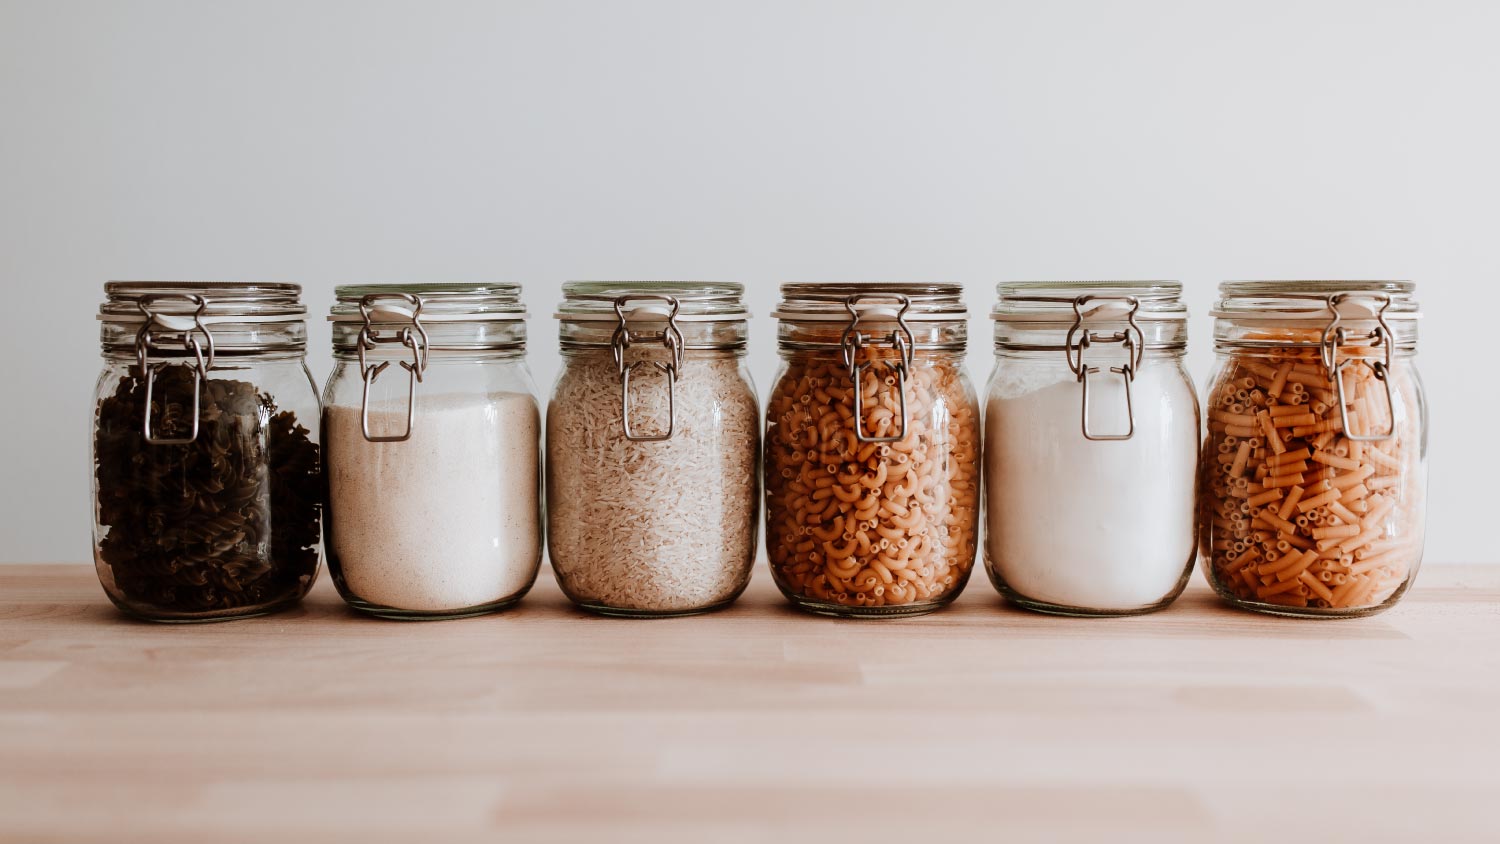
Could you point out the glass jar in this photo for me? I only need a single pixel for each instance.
(207, 492)
(1091, 447)
(434, 463)
(1314, 479)
(653, 437)
(872, 449)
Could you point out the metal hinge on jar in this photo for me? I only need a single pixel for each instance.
(670, 336)
(412, 336)
(1336, 335)
(1080, 340)
(899, 339)
(185, 330)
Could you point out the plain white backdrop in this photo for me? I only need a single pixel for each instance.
(329, 143)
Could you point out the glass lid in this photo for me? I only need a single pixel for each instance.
(1063, 302)
(872, 300)
(439, 302)
(687, 301)
(1317, 300)
(208, 302)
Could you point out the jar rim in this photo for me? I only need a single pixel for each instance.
(1317, 299)
(834, 301)
(216, 301)
(693, 301)
(1064, 303)
(437, 302)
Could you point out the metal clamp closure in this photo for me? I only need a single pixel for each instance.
(187, 330)
(1336, 335)
(413, 337)
(1080, 340)
(669, 336)
(899, 338)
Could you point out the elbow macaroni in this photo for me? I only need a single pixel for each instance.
(869, 526)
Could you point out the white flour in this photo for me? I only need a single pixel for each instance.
(447, 520)
(1087, 524)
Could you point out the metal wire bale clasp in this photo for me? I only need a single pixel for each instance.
(174, 324)
(1080, 340)
(1336, 335)
(899, 338)
(669, 336)
(413, 337)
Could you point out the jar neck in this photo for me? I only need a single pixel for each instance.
(436, 357)
(926, 338)
(226, 338)
(1249, 335)
(592, 354)
(223, 358)
(697, 336)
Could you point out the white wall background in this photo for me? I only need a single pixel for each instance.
(327, 143)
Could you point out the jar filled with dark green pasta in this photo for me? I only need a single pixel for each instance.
(207, 492)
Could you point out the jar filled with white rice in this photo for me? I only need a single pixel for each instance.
(653, 446)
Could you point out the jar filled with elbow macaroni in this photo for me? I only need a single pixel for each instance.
(872, 449)
(653, 438)
(1313, 490)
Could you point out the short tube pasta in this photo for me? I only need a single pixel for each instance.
(1313, 489)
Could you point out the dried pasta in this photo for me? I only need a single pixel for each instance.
(885, 527)
(1310, 518)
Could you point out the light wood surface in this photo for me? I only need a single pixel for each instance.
(1196, 723)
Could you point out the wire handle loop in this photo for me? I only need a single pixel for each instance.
(413, 337)
(1336, 335)
(1080, 340)
(670, 336)
(147, 338)
(899, 338)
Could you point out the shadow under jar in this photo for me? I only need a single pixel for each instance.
(432, 437)
(872, 450)
(1314, 473)
(1091, 447)
(207, 492)
(653, 440)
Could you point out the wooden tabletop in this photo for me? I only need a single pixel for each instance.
(542, 723)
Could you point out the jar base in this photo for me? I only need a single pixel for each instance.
(213, 618)
(829, 610)
(1306, 612)
(625, 612)
(1050, 608)
(395, 614)
(1310, 612)
(1084, 612)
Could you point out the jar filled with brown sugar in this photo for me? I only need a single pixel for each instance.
(207, 487)
(872, 449)
(1314, 472)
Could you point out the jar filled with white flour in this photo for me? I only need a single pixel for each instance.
(653, 443)
(431, 436)
(1091, 444)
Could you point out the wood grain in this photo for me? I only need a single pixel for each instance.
(542, 723)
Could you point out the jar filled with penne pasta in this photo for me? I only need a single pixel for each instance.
(207, 485)
(872, 449)
(1091, 447)
(1313, 486)
(653, 439)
